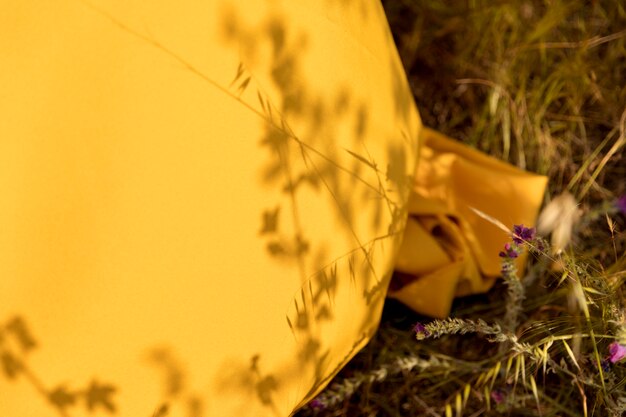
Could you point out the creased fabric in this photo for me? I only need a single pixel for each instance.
(449, 250)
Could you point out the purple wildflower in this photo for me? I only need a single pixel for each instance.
(509, 252)
(507, 268)
(316, 403)
(419, 328)
(523, 234)
(621, 204)
(617, 352)
(498, 396)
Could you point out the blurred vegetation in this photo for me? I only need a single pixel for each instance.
(541, 84)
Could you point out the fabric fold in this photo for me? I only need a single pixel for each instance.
(450, 250)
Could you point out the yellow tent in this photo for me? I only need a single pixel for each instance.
(202, 202)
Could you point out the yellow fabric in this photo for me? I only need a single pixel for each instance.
(220, 185)
(202, 201)
(449, 249)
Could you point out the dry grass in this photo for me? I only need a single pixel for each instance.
(541, 84)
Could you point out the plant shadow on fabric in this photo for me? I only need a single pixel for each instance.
(175, 383)
(309, 161)
(306, 161)
(17, 343)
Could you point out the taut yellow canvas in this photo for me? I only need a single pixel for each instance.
(223, 183)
